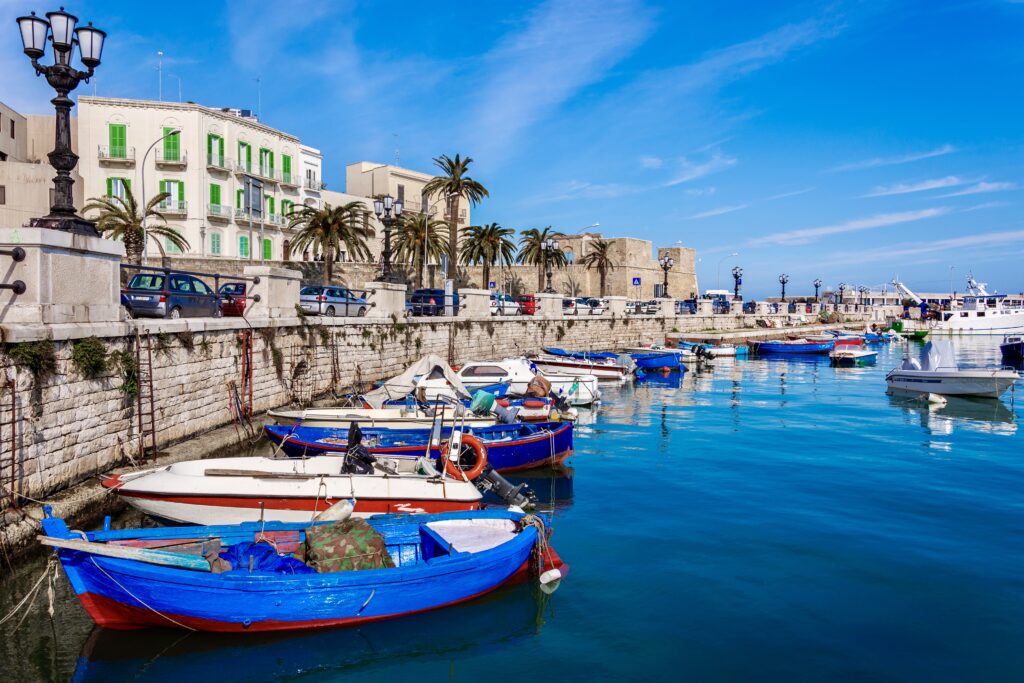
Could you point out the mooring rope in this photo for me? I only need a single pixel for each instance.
(137, 598)
(30, 596)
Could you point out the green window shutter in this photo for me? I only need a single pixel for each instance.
(172, 145)
(220, 148)
(110, 187)
(118, 139)
(181, 191)
(127, 184)
(215, 243)
(270, 205)
(286, 167)
(243, 246)
(209, 144)
(271, 157)
(238, 199)
(268, 250)
(163, 186)
(214, 194)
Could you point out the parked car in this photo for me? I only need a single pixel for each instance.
(503, 304)
(651, 306)
(431, 302)
(232, 302)
(169, 295)
(689, 306)
(332, 300)
(569, 307)
(527, 304)
(597, 306)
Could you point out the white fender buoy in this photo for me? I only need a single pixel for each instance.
(338, 512)
(937, 399)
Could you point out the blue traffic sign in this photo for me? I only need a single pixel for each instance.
(636, 282)
(490, 285)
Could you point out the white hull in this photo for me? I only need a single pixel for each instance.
(982, 383)
(342, 418)
(221, 490)
(575, 368)
(517, 373)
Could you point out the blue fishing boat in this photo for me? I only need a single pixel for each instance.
(509, 447)
(1012, 349)
(657, 360)
(138, 578)
(792, 346)
(582, 355)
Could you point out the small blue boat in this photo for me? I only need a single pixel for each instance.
(798, 346)
(582, 355)
(657, 360)
(509, 447)
(1012, 349)
(138, 578)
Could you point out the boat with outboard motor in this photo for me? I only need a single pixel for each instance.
(249, 577)
(604, 366)
(520, 373)
(658, 360)
(388, 417)
(939, 373)
(852, 356)
(509, 447)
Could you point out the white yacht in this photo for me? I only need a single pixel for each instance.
(940, 374)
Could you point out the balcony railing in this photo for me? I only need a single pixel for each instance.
(314, 185)
(173, 207)
(171, 158)
(243, 215)
(289, 179)
(219, 211)
(216, 161)
(266, 172)
(116, 155)
(275, 219)
(243, 166)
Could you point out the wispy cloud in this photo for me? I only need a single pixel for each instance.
(985, 205)
(701, 191)
(906, 250)
(652, 162)
(982, 188)
(578, 189)
(692, 170)
(808, 235)
(564, 45)
(717, 212)
(922, 186)
(896, 160)
(794, 193)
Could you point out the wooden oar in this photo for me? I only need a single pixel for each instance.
(125, 553)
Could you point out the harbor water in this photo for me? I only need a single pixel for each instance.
(766, 519)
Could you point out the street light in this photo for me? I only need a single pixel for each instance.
(842, 288)
(549, 249)
(666, 263)
(783, 279)
(388, 212)
(62, 77)
(862, 290)
(817, 286)
(145, 234)
(718, 270)
(737, 280)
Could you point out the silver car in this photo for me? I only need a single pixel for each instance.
(331, 301)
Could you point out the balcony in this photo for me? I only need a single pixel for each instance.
(218, 162)
(243, 167)
(172, 207)
(219, 211)
(275, 219)
(243, 216)
(289, 179)
(123, 156)
(175, 159)
(313, 185)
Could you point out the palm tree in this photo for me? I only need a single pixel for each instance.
(487, 244)
(119, 218)
(329, 228)
(532, 252)
(452, 185)
(416, 231)
(599, 257)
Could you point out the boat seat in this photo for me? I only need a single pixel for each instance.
(474, 535)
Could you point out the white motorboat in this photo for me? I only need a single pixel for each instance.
(849, 356)
(602, 366)
(980, 313)
(940, 374)
(236, 490)
(342, 418)
(518, 373)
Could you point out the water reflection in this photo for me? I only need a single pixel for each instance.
(973, 414)
(173, 656)
(553, 486)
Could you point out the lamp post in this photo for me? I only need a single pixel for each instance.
(388, 212)
(718, 270)
(783, 279)
(550, 248)
(862, 290)
(62, 77)
(737, 280)
(145, 234)
(666, 263)
(817, 286)
(842, 289)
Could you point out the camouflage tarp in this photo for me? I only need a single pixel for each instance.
(346, 546)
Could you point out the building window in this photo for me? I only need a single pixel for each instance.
(215, 243)
(287, 206)
(118, 187)
(268, 250)
(214, 150)
(401, 193)
(245, 156)
(172, 146)
(286, 168)
(214, 194)
(3, 194)
(239, 196)
(243, 246)
(170, 247)
(269, 205)
(117, 134)
(176, 190)
(266, 163)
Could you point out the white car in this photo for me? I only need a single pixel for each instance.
(504, 304)
(597, 306)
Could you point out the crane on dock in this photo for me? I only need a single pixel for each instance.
(906, 292)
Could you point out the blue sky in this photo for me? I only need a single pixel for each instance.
(847, 141)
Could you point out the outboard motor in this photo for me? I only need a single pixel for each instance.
(358, 460)
(521, 496)
(505, 416)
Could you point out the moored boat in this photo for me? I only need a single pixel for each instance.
(657, 360)
(604, 367)
(940, 374)
(792, 346)
(851, 356)
(387, 417)
(1012, 349)
(138, 578)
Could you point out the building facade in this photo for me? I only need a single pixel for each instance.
(231, 180)
(369, 179)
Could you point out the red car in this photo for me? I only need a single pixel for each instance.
(233, 298)
(527, 304)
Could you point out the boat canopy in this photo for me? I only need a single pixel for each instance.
(939, 355)
(402, 385)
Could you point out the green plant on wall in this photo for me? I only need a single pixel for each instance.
(38, 357)
(89, 356)
(128, 370)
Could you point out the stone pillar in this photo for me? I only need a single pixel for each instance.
(705, 307)
(278, 290)
(616, 306)
(550, 305)
(385, 299)
(764, 308)
(68, 277)
(666, 308)
(475, 303)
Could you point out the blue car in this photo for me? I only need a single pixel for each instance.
(170, 295)
(431, 302)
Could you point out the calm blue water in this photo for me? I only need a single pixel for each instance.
(767, 519)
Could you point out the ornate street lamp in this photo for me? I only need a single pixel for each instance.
(666, 263)
(817, 286)
(783, 279)
(863, 290)
(62, 77)
(549, 248)
(842, 289)
(388, 212)
(737, 280)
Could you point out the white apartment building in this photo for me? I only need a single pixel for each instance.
(368, 179)
(123, 142)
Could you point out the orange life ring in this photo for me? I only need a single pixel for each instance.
(453, 469)
(534, 403)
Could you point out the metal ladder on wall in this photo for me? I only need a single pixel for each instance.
(145, 411)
